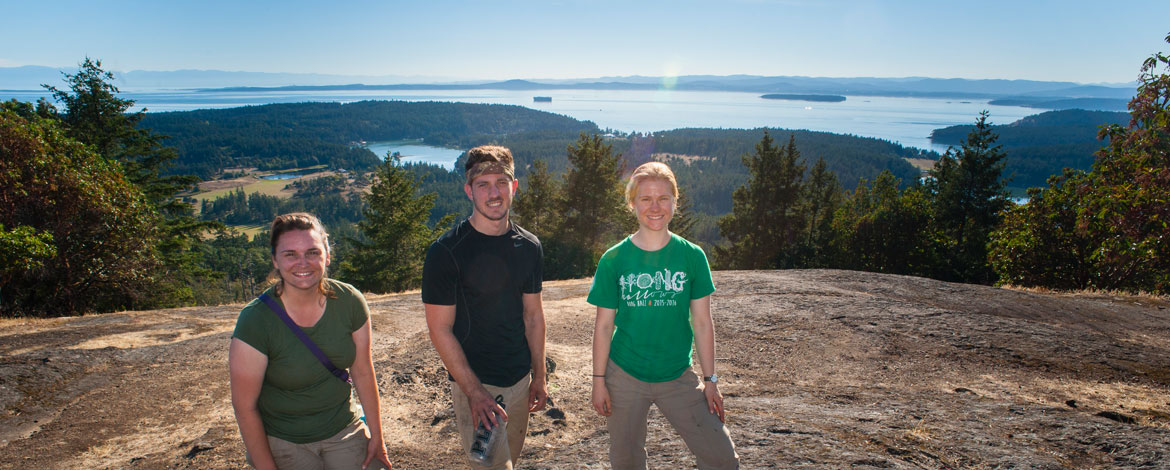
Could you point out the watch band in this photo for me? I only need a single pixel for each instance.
(713, 378)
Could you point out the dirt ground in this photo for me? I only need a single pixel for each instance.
(821, 369)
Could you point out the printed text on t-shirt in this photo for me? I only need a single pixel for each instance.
(652, 290)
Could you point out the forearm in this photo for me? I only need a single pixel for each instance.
(705, 347)
(534, 331)
(366, 385)
(602, 337)
(451, 353)
(254, 436)
(704, 327)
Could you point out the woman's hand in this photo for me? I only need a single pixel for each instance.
(376, 449)
(714, 399)
(601, 401)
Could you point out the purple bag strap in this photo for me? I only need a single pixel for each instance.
(272, 304)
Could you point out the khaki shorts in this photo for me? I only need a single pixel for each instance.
(507, 450)
(345, 450)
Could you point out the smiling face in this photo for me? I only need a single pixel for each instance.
(653, 204)
(301, 257)
(491, 195)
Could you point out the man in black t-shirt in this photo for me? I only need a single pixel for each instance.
(481, 292)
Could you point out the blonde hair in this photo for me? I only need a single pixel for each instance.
(649, 171)
(285, 223)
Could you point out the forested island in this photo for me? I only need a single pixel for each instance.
(818, 98)
(1103, 104)
(1043, 145)
(296, 135)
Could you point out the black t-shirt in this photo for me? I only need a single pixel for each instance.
(485, 278)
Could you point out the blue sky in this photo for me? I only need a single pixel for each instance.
(1081, 41)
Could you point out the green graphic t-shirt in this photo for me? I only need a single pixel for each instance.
(652, 292)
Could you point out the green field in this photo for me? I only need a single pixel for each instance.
(269, 187)
(258, 185)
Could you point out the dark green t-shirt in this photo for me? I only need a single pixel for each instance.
(652, 292)
(300, 401)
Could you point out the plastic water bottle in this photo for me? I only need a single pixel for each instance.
(485, 439)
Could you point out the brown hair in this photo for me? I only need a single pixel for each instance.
(489, 159)
(285, 223)
(649, 170)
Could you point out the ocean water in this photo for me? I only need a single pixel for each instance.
(907, 121)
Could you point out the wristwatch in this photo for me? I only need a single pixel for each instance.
(713, 378)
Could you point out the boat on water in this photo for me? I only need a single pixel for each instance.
(542, 99)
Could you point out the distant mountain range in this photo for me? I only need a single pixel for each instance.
(1039, 94)
(31, 77)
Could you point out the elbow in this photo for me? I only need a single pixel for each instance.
(243, 407)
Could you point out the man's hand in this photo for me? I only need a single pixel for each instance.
(714, 399)
(485, 410)
(537, 394)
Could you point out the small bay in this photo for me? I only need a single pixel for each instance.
(416, 151)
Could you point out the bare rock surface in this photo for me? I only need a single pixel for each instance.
(821, 369)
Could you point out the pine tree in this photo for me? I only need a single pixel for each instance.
(684, 220)
(96, 116)
(821, 196)
(388, 256)
(592, 208)
(766, 218)
(970, 196)
(535, 206)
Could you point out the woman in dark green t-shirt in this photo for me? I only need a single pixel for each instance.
(291, 410)
(653, 297)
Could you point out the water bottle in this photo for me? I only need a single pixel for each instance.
(485, 439)
(361, 412)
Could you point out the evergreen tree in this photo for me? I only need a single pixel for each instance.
(536, 204)
(880, 228)
(96, 116)
(388, 256)
(820, 198)
(245, 263)
(593, 208)
(970, 196)
(684, 220)
(766, 217)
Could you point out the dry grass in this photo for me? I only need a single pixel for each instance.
(923, 164)
(685, 159)
(1094, 293)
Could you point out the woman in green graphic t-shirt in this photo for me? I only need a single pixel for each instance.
(293, 413)
(653, 297)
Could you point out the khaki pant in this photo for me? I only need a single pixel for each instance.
(683, 404)
(344, 451)
(507, 449)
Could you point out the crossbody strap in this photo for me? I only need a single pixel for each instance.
(337, 372)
